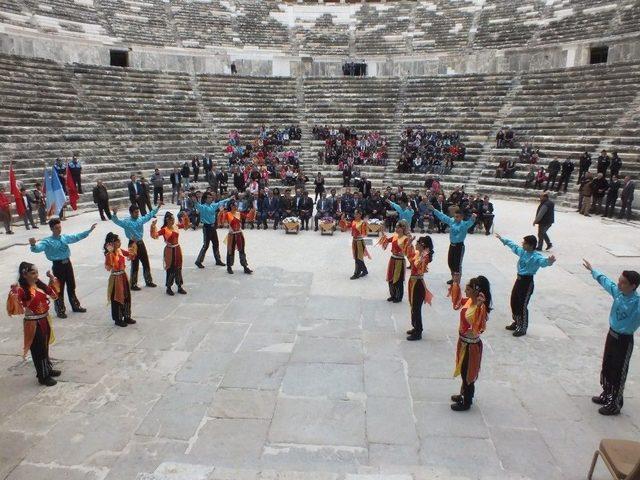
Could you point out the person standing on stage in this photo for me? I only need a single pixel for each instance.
(118, 291)
(545, 216)
(399, 242)
(458, 229)
(474, 313)
(359, 232)
(134, 230)
(624, 320)
(56, 249)
(235, 238)
(30, 297)
(208, 211)
(419, 259)
(101, 199)
(76, 172)
(530, 261)
(172, 250)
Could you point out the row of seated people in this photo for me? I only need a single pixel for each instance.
(347, 145)
(273, 206)
(424, 151)
(270, 148)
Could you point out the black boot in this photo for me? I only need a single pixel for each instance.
(170, 292)
(457, 398)
(415, 336)
(247, 270)
(121, 323)
(460, 407)
(181, 290)
(229, 269)
(511, 327)
(54, 373)
(48, 381)
(600, 399)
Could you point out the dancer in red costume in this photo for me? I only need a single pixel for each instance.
(119, 290)
(235, 238)
(399, 242)
(358, 248)
(474, 313)
(30, 297)
(419, 259)
(172, 250)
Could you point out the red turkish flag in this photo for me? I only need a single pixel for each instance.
(15, 191)
(72, 191)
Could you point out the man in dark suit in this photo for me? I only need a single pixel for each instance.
(101, 199)
(439, 203)
(347, 205)
(545, 216)
(626, 198)
(306, 209)
(207, 165)
(288, 204)
(146, 193)
(223, 180)
(585, 163)
(553, 170)
(29, 203)
(273, 209)
(612, 197)
(135, 194)
(603, 163)
(566, 169)
(375, 206)
(324, 208)
(365, 186)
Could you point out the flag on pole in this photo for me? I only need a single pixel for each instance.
(72, 190)
(15, 191)
(55, 193)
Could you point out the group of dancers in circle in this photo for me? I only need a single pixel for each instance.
(31, 297)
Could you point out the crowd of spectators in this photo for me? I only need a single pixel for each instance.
(424, 151)
(344, 146)
(529, 157)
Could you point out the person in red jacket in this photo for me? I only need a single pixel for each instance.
(5, 211)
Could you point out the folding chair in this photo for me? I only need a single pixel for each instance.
(621, 457)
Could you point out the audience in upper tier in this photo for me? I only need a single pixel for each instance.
(424, 151)
(345, 146)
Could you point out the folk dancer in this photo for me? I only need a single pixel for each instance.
(30, 297)
(529, 262)
(419, 259)
(474, 313)
(172, 250)
(359, 231)
(624, 320)
(208, 211)
(118, 290)
(395, 271)
(134, 231)
(458, 229)
(56, 249)
(235, 238)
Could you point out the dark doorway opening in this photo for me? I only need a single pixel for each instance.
(119, 58)
(598, 54)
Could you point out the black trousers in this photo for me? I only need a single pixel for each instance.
(28, 219)
(63, 271)
(209, 236)
(103, 209)
(42, 214)
(141, 257)
(564, 180)
(551, 180)
(610, 206)
(40, 352)
(174, 272)
(158, 193)
(467, 390)
(520, 296)
(542, 235)
(77, 180)
(455, 257)
(615, 364)
(231, 251)
(122, 311)
(625, 209)
(416, 306)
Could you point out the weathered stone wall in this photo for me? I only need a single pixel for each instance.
(274, 63)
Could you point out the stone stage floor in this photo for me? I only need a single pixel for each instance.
(296, 372)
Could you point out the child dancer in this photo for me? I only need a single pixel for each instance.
(30, 297)
(474, 312)
(395, 271)
(172, 251)
(118, 291)
(528, 264)
(358, 248)
(419, 259)
(235, 238)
